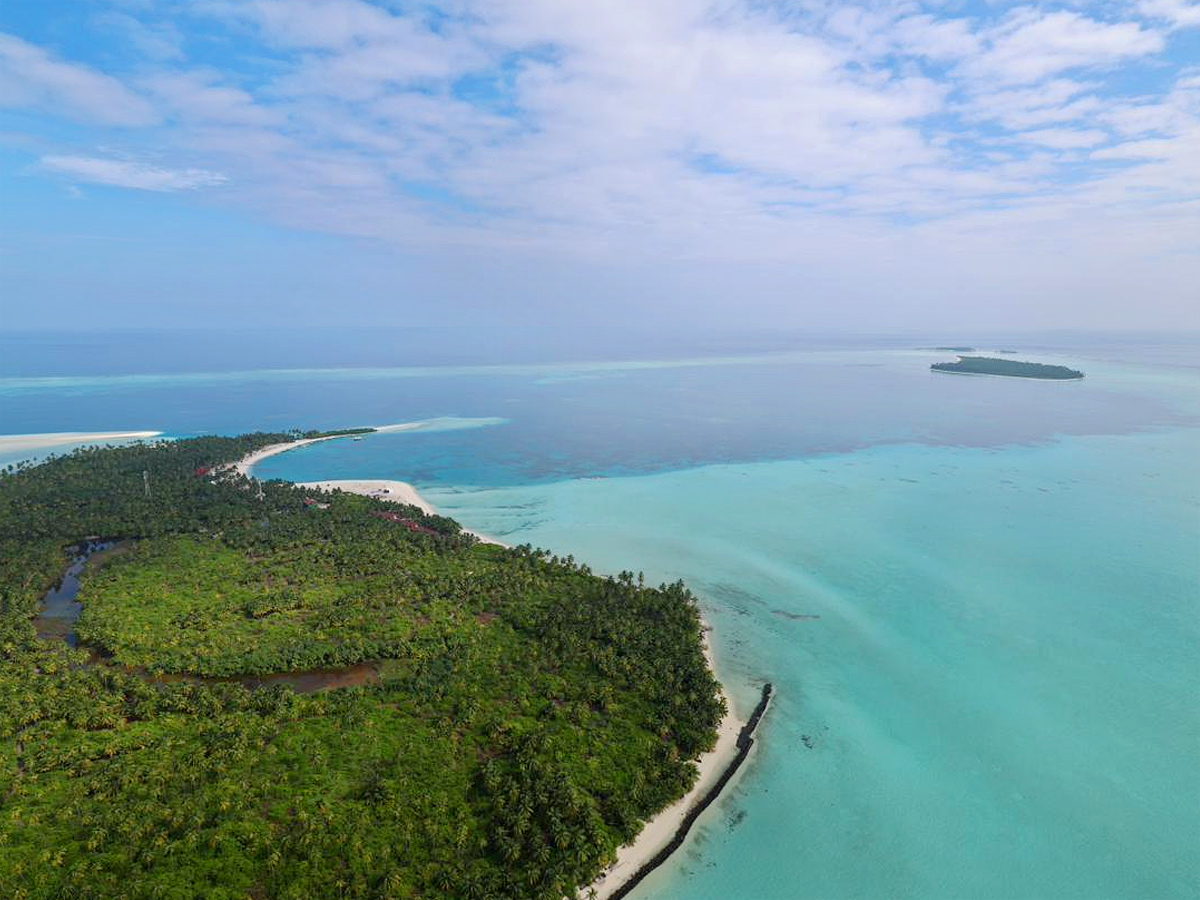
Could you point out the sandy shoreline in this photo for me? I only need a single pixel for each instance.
(378, 488)
(17, 443)
(250, 460)
(658, 832)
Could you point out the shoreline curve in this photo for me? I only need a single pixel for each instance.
(391, 490)
(661, 835)
(21, 443)
(745, 742)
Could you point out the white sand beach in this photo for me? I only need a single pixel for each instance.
(657, 832)
(380, 489)
(395, 491)
(18, 443)
(249, 461)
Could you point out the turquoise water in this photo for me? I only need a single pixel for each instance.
(979, 598)
(1002, 687)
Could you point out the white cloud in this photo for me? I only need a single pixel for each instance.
(123, 173)
(1049, 103)
(1030, 45)
(944, 39)
(29, 76)
(321, 24)
(1064, 138)
(160, 42)
(1179, 13)
(200, 98)
(799, 133)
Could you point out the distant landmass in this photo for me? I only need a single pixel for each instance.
(987, 365)
(955, 349)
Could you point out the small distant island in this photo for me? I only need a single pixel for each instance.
(955, 349)
(987, 365)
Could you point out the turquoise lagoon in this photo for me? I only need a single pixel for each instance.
(993, 655)
(978, 598)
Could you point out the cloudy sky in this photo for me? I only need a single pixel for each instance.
(804, 163)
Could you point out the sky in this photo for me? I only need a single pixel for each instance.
(800, 164)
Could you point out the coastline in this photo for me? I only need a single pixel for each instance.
(376, 488)
(715, 768)
(18, 443)
(745, 743)
(1001, 375)
(250, 460)
(393, 492)
(654, 842)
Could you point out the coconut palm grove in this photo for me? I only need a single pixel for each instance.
(447, 717)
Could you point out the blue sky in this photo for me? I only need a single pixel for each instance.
(803, 163)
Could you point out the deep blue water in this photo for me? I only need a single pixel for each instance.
(712, 400)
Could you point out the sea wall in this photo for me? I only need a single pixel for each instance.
(745, 741)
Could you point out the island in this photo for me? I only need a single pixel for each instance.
(214, 686)
(987, 365)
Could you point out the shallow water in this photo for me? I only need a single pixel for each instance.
(978, 598)
(61, 608)
(1001, 692)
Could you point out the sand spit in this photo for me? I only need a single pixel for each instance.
(250, 460)
(18, 443)
(393, 491)
(379, 489)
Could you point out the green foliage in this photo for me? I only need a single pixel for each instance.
(528, 715)
(335, 433)
(987, 365)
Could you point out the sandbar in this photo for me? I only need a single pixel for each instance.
(395, 491)
(380, 489)
(250, 460)
(17, 443)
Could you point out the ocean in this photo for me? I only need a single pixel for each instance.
(978, 598)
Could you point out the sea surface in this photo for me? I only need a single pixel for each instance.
(978, 598)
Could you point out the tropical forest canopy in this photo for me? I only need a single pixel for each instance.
(526, 716)
(988, 365)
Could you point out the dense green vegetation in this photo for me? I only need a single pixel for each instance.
(335, 433)
(987, 365)
(528, 715)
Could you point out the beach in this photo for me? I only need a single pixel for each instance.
(250, 460)
(18, 443)
(659, 831)
(379, 489)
